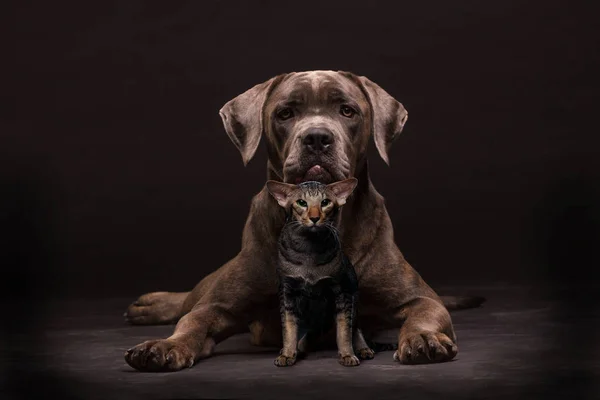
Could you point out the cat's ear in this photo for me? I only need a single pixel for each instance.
(243, 117)
(343, 189)
(280, 191)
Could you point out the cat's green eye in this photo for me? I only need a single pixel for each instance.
(301, 203)
(325, 203)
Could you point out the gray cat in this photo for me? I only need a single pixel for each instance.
(318, 284)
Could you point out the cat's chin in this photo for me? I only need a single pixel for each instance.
(314, 228)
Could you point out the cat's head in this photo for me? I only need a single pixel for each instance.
(312, 204)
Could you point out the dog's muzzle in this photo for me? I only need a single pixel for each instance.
(317, 141)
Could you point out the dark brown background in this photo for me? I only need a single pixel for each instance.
(117, 177)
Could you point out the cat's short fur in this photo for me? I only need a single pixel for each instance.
(318, 284)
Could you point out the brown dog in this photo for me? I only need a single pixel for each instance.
(317, 126)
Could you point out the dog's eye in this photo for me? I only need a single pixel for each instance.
(301, 203)
(325, 203)
(286, 113)
(347, 112)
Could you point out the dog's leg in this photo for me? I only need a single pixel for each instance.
(393, 295)
(224, 309)
(167, 307)
(427, 334)
(195, 337)
(265, 330)
(156, 308)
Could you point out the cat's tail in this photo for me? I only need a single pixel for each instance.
(461, 302)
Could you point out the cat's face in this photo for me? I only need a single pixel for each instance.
(312, 203)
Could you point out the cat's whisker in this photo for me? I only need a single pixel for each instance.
(333, 230)
(293, 223)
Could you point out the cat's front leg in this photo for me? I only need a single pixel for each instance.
(287, 355)
(289, 325)
(345, 304)
(363, 351)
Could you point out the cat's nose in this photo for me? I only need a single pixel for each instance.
(314, 219)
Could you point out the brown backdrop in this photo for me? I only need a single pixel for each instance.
(118, 178)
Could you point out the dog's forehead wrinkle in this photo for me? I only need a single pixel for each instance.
(296, 96)
(324, 85)
(316, 121)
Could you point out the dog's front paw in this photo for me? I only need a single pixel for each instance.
(425, 347)
(285, 360)
(365, 354)
(159, 356)
(349, 361)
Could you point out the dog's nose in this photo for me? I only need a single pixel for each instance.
(318, 140)
(314, 219)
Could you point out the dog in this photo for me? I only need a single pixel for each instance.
(317, 126)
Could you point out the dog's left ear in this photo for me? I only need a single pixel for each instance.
(389, 117)
(243, 117)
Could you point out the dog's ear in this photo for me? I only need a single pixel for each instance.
(343, 189)
(243, 117)
(389, 116)
(281, 191)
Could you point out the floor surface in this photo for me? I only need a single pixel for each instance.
(523, 342)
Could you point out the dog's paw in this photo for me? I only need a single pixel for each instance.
(155, 308)
(425, 347)
(349, 361)
(365, 354)
(285, 361)
(159, 356)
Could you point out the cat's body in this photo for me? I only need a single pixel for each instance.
(318, 284)
(312, 269)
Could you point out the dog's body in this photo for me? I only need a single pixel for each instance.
(317, 125)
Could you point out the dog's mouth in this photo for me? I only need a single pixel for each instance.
(315, 173)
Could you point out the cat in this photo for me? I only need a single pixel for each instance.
(317, 282)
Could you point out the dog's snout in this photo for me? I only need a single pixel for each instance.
(314, 219)
(318, 140)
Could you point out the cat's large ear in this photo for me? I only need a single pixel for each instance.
(243, 117)
(343, 189)
(281, 191)
(389, 115)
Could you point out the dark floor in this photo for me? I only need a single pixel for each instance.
(523, 343)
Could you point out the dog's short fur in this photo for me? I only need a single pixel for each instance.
(308, 119)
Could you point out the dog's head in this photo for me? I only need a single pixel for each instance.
(317, 124)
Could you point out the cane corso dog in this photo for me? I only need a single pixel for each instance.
(317, 126)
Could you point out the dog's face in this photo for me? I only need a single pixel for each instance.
(317, 124)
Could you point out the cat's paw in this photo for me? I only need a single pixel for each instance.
(349, 361)
(285, 361)
(365, 354)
